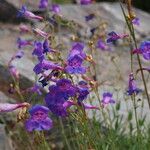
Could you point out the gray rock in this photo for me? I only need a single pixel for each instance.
(4, 141)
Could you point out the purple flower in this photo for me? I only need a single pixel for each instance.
(85, 2)
(39, 119)
(14, 72)
(55, 8)
(83, 91)
(55, 100)
(74, 65)
(21, 43)
(7, 107)
(19, 54)
(65, 85)
(27, 14)
(46, 47)
(89, 17)
(38, 49)
(136, 21)
(35, 89)
(113, 36)
(77, 49)
(132, 88)
(101, 45)
(145, 49)
(46, 65)
(24, 29)
(40, 32)
(107, 98)
(43, 4)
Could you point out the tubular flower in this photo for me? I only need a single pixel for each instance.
(7, 107)
(107, 99)
(101, 45)
(74, 65)
(132, 88)
(14, 72)
(40, 32)
(113, 36)
(27, 14)
(46, 65)
(39, 119)
(22, 43)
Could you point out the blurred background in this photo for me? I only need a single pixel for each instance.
(142, 4)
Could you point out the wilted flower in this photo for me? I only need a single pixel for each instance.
(39, 119)
(40, 32)
(55, 8)
(21, 43)
(24, 28)
(43, 4)
(14, 72)
(132, 88)
(7, 107)
(27, 14)
(107, 99)
(113, 36)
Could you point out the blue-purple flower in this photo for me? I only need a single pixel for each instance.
(77, 49)
(35, 89)
(85, 2)
(39, 119)
(23, 12)
(145, 49)
(101, 45)
(107, 99)
(132, 88)
(46, 65)
(83, 91)
(43, 4)
(136, 21)
(74, 65)
(65, 85)
(46, 47)
(55, 8)
(113, 36)
(38, 49)
(89, 17)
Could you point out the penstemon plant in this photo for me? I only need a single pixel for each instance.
(66, 82)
